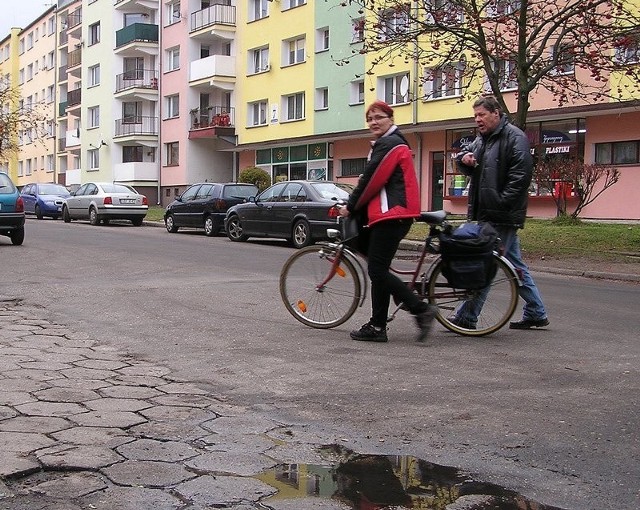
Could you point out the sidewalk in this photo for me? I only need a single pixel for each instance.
(84, 426)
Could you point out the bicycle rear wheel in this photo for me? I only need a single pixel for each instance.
(308, 299)
(500, 301)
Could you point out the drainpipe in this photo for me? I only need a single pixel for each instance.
(159, 152)
(414, 104)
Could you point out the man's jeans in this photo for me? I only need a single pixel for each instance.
(533, 308)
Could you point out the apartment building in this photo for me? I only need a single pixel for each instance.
(9, 66)
(29, 64)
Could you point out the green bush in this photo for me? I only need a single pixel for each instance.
(255, 175)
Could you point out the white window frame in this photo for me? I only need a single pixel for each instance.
(568, 68)
(443, 82)
(94, 33)
(94, 75)
(294, 51)
(259, 60)
(169, 151)
(258, 9)
(503, 8)
(356, 93)
(322, 39)
(93, 159)
(393, 22)
(357, 30)
(93, 117)
(322, 98)
(293, 106)
(390, 87)
(505, 68)
(172, 103)
(629, 53)
(173, 13)
(257, 113)
(291, 4)
(173, 58)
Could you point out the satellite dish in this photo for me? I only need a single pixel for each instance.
(404, 85)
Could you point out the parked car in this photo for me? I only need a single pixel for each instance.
(105, 201)
(299, 211)
(44, 199)
(11, 211)
(204, 205)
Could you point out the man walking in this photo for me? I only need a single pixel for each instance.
(500, 165)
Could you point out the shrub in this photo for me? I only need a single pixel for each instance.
(255, 175)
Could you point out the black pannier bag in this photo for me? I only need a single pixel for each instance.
(467, 255)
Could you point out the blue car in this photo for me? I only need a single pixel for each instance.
(44, 199)
(11, 211)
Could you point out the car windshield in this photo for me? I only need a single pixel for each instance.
(332, 190)
(240, 191)
(53, 189)
(6, 186)
(117, 188)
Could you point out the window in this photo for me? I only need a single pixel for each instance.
(322, 39)
(290, 4)
(94, 33)
(50, 94)
(294, 51)
(507, 74)
(564, 59)
(357, 30)
(29, 72)
(93, 113)
(94, 75)
(173, 103)
(259, 60)
(393, 22)
(135, 17)
(50, 60)
(133, 68)
(353, 166)
(322, 98)
(173, 58)
(132, 153)
(444, 12)
(444, 81)
(294, 106)
(258, 113)
(357, 92)
(49, 164)
(627, 49)
(132, 112)
(93, 156)
(173, 13)
(29, 41)
(172, 150)
(396, 89)
(502, 7)
(618, 153)
(258, 9)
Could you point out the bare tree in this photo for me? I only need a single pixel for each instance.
(578, 50)
(19, 121)
(573, 183)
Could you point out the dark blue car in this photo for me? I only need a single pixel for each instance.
(44, 199)
(11, 210)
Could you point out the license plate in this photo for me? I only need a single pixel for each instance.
(127, 201)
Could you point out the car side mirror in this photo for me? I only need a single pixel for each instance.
(252, 199)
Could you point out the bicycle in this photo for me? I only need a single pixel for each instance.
(323, 285)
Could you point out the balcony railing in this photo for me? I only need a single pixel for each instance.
(215, 14)
(136, 125)
(62, 109)
(213, 116)
(137, 78)
(74, 97)
(64, 38)
(74, 58)
(73, 20)
(143, 32)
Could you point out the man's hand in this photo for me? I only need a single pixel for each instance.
(469, 160)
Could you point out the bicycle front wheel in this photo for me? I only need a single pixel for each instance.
(317, 291)
(494, 305)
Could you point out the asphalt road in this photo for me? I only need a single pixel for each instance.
(551, 413)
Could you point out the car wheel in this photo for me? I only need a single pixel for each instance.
(137, 222)
(66, 217)
(17, 236)
(94, 219)
(301, 234)
(170, 225)
(234, 229)
(38, 212)
(210, 226)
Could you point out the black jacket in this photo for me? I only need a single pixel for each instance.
(499, 190)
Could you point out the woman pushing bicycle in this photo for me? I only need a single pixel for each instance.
(386, 200)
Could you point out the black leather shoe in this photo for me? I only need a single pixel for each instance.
(424, 320)
(529, 323)
(462, 323)
(370, 333)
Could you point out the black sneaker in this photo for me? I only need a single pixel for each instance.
(529, 323)
(462, 323)
(424, 320)
(370, 333)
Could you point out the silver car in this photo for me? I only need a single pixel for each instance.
(105, 201)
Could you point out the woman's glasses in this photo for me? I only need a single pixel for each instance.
(377, 118)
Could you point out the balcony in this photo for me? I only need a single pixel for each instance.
(213, 122)
(74, 23)
(62, 73)
(136, 126)
(213, 71)
(62, 109)
(73, 176)
(74, 59)
(64, 39)
(217, 20)
(137, 39)
(136, 5)
(74, 97)
(135, 171)
(62, 144)
(137, 83)
(72, 138)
